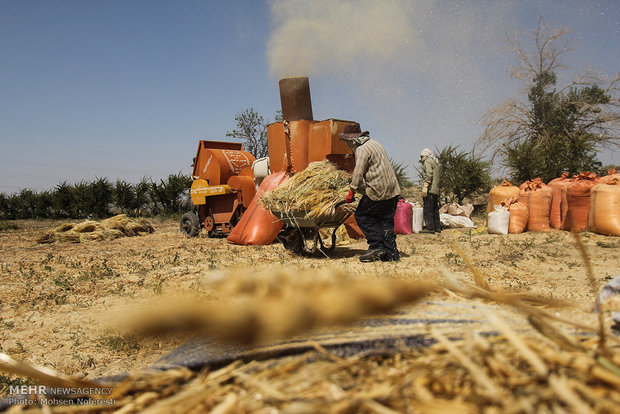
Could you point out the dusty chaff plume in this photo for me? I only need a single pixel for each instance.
(315, 191)
(255, 309)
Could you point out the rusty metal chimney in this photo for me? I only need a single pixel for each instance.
(295, 99)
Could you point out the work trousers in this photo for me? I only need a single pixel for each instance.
(376, 220)
(431, 212)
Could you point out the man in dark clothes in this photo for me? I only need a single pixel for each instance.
(374, 177)
(430, 191)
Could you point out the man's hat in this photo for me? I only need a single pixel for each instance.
(352, 131)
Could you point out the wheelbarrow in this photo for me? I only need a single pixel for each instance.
(299, 230)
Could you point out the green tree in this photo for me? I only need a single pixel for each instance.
(172, 195)
(64, 203)
(462, 174)
(101, 197)
(400, 169)
(124, 196)
(557, 129)
(4, 206)
(141, 191)
(252, 130)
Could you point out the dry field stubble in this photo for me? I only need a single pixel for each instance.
(56, 299)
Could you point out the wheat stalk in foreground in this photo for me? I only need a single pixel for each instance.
(255, 309)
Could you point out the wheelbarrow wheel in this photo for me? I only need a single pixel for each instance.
(189, 225)
(293, 241)
(329, 248)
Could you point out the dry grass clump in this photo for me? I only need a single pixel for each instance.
(476, 375)
(314, 191)
(111, 228)
(88, 226)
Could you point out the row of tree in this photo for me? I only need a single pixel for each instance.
(100, 198)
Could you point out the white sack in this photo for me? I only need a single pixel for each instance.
(417, 219)
(454, 222)
(498, 220)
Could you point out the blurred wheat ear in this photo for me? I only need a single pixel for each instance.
(277, 305)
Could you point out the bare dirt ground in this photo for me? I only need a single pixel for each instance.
(55, 299)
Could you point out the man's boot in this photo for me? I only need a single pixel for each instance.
(372, 255)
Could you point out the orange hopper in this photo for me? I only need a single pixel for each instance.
(222, 190)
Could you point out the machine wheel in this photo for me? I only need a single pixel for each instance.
(293, 240)
(190, 226)
(209, 225)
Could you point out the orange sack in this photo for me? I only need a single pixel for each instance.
(257, 225)
(604, 217)
(353, 230)
(555, 216)
(578, 201)
(519, 215)
(536, 195)
(499, 193)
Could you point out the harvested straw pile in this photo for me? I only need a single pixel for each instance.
(314, 191)
(540, 371)
(112, 228)
(504, 374)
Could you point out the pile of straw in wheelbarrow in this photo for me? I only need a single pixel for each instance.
(314, 191)
(111, 228)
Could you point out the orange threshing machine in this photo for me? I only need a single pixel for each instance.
(223, 184)
(222, 189)
(296, 142)
(299, 140)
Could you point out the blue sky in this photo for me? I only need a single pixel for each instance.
(125, 89)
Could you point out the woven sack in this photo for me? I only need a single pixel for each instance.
(417, 222)
(578, 201)
(555, 215)
(604, 216)
(519, 215)
(403, 217)
(536, 195)
(498, 220)
(499, 193)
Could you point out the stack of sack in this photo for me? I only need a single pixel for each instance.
(454, 215)
(500, 193)
(409, 217)
(514, 209)
(582, 202)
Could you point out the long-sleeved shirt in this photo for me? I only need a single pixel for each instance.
(430, 174)
(374, 171)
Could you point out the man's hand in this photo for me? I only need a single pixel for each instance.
(425, 190)
(350, 197)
